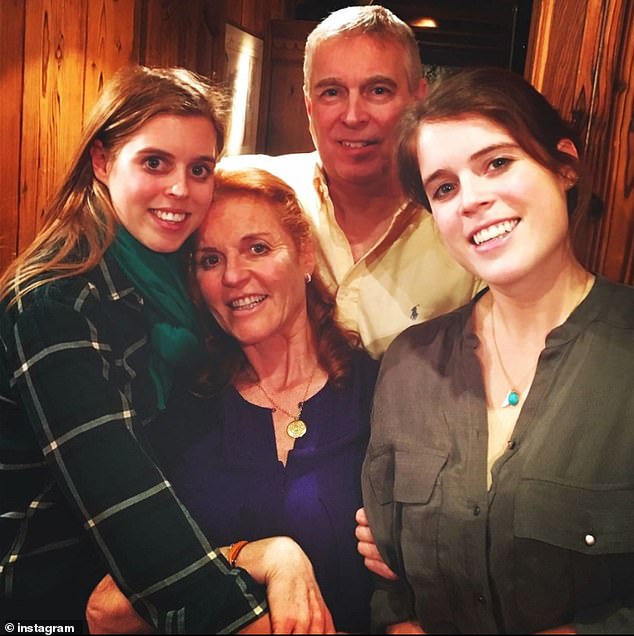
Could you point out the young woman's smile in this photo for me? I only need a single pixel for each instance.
(161, 179)
(500, 212)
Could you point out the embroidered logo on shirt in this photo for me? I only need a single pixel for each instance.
(413, 314)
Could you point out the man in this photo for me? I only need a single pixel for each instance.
(381, 254)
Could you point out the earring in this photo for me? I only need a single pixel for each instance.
(571, 180)
(307, 277)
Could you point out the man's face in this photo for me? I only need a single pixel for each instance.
(357, 90)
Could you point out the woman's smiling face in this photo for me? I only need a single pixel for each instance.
(161, 180)
(501, 213)
(250, 271)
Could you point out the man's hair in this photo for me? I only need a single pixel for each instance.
(373, 20)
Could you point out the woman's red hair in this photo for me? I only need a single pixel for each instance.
(334, 344)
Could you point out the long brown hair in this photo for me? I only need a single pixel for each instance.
(227, 362)
(506, 99)
(79, 222)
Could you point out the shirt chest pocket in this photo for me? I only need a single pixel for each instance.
(409, 482)
(405, 476)
(593, 521)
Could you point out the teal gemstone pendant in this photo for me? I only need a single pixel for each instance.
(512, 399)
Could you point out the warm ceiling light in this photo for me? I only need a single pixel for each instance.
(425, 23)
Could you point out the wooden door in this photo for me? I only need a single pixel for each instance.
(283, 120)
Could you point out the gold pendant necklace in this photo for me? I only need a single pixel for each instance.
(296, 428)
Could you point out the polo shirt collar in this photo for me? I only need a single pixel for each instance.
(405, 215)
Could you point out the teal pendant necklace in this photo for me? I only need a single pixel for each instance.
(513, 396)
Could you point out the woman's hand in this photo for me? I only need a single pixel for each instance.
(295, 601)
(367, 548)
(109, 612)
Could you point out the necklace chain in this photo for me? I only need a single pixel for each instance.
(300, 405)
(513, 396)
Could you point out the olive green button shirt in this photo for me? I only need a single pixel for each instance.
(552, 541)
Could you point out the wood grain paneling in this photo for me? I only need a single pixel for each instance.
(11, 65)
(287, 130)
(554, 64)
(213, 64)
(55, 53)
(178, 33)
(614, 245)
(582, 60)
(283, 120)
(254, 15)
(110, 44)
(234, 13)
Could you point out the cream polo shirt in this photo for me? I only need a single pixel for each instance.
(405, 278)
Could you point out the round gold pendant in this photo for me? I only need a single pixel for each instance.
(296, 429)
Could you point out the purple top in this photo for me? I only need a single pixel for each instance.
(222, 462)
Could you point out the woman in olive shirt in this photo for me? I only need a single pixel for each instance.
(499, 481)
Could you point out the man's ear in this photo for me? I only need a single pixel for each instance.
(309, 105)
(421, 89)
(100, 161)
(309, 111)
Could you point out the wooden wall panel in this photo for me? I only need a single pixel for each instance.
(110, 44)
(581, 58)
(614, 253)
(212, 62)
(288, 123)
(176, 33)
(254, 19)
(254, 15)
(234, 13)
(160, 44)
(283, 124)
(54, 52)
(11, 64)
(553, 60)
